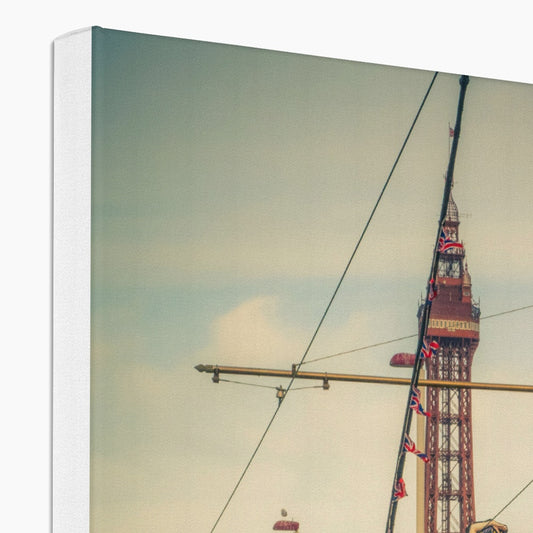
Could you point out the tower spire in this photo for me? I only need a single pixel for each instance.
(454, 325)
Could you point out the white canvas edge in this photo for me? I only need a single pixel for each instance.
(71, 282)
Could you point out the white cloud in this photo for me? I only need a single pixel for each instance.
(180, 440)
(253, 334)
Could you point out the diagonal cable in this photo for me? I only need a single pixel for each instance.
(330, 301)
(511, 501)
(489, 522)
(390, 341)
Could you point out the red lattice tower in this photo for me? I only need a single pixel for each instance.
(454, 324)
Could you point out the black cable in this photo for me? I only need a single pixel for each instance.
(331, 299)
(249, 384)
(488, 522)
(247, 466)
(382, 343)
(361, 348)
(267, 386)
(511, 501)
(507, 312)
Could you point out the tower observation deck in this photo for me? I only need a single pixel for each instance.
(454, 325)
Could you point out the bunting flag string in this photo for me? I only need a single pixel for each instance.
(446, 242)
(414, 402)
(443, 243)
(410, 446)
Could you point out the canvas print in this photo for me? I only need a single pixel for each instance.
(261, 215)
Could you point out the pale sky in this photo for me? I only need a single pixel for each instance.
(230, 186)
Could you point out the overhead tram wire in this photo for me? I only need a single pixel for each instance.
(397, 339)
(331, 299)
(271, 387)
(488, 522)
(511, 501)
(249, 384)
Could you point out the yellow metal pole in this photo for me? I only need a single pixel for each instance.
(242, 371)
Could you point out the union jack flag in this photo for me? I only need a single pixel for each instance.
(410, 446)
(414, 402)
(446, 242)
(399, 490)
(425, 352)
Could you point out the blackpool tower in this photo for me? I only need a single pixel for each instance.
(454, 324)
